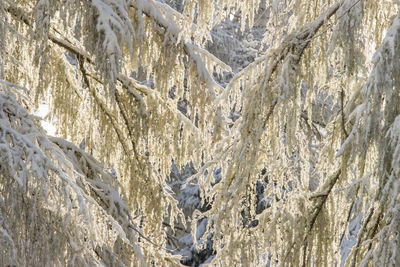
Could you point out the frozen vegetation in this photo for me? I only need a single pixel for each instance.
(206, 132)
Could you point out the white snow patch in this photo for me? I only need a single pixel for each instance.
(42, 112)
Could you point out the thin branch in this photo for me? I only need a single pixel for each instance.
(360, 233)
(131, 84)
(150, 11)
(176, 227)
(103, 107)
(296, 43)
(342, 113)
(321, 198)
(317, 209)
(14, 85)
(127, 124)
(305, 117)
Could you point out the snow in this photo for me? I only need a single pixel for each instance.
(350, 238)
(43, 112)
(237, 113)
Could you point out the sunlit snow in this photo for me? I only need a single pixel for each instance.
(42, 112)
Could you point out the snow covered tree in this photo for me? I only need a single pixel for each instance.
(283, 117)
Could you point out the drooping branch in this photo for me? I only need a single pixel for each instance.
(133, 86)
(316, 210)
(171, 30)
